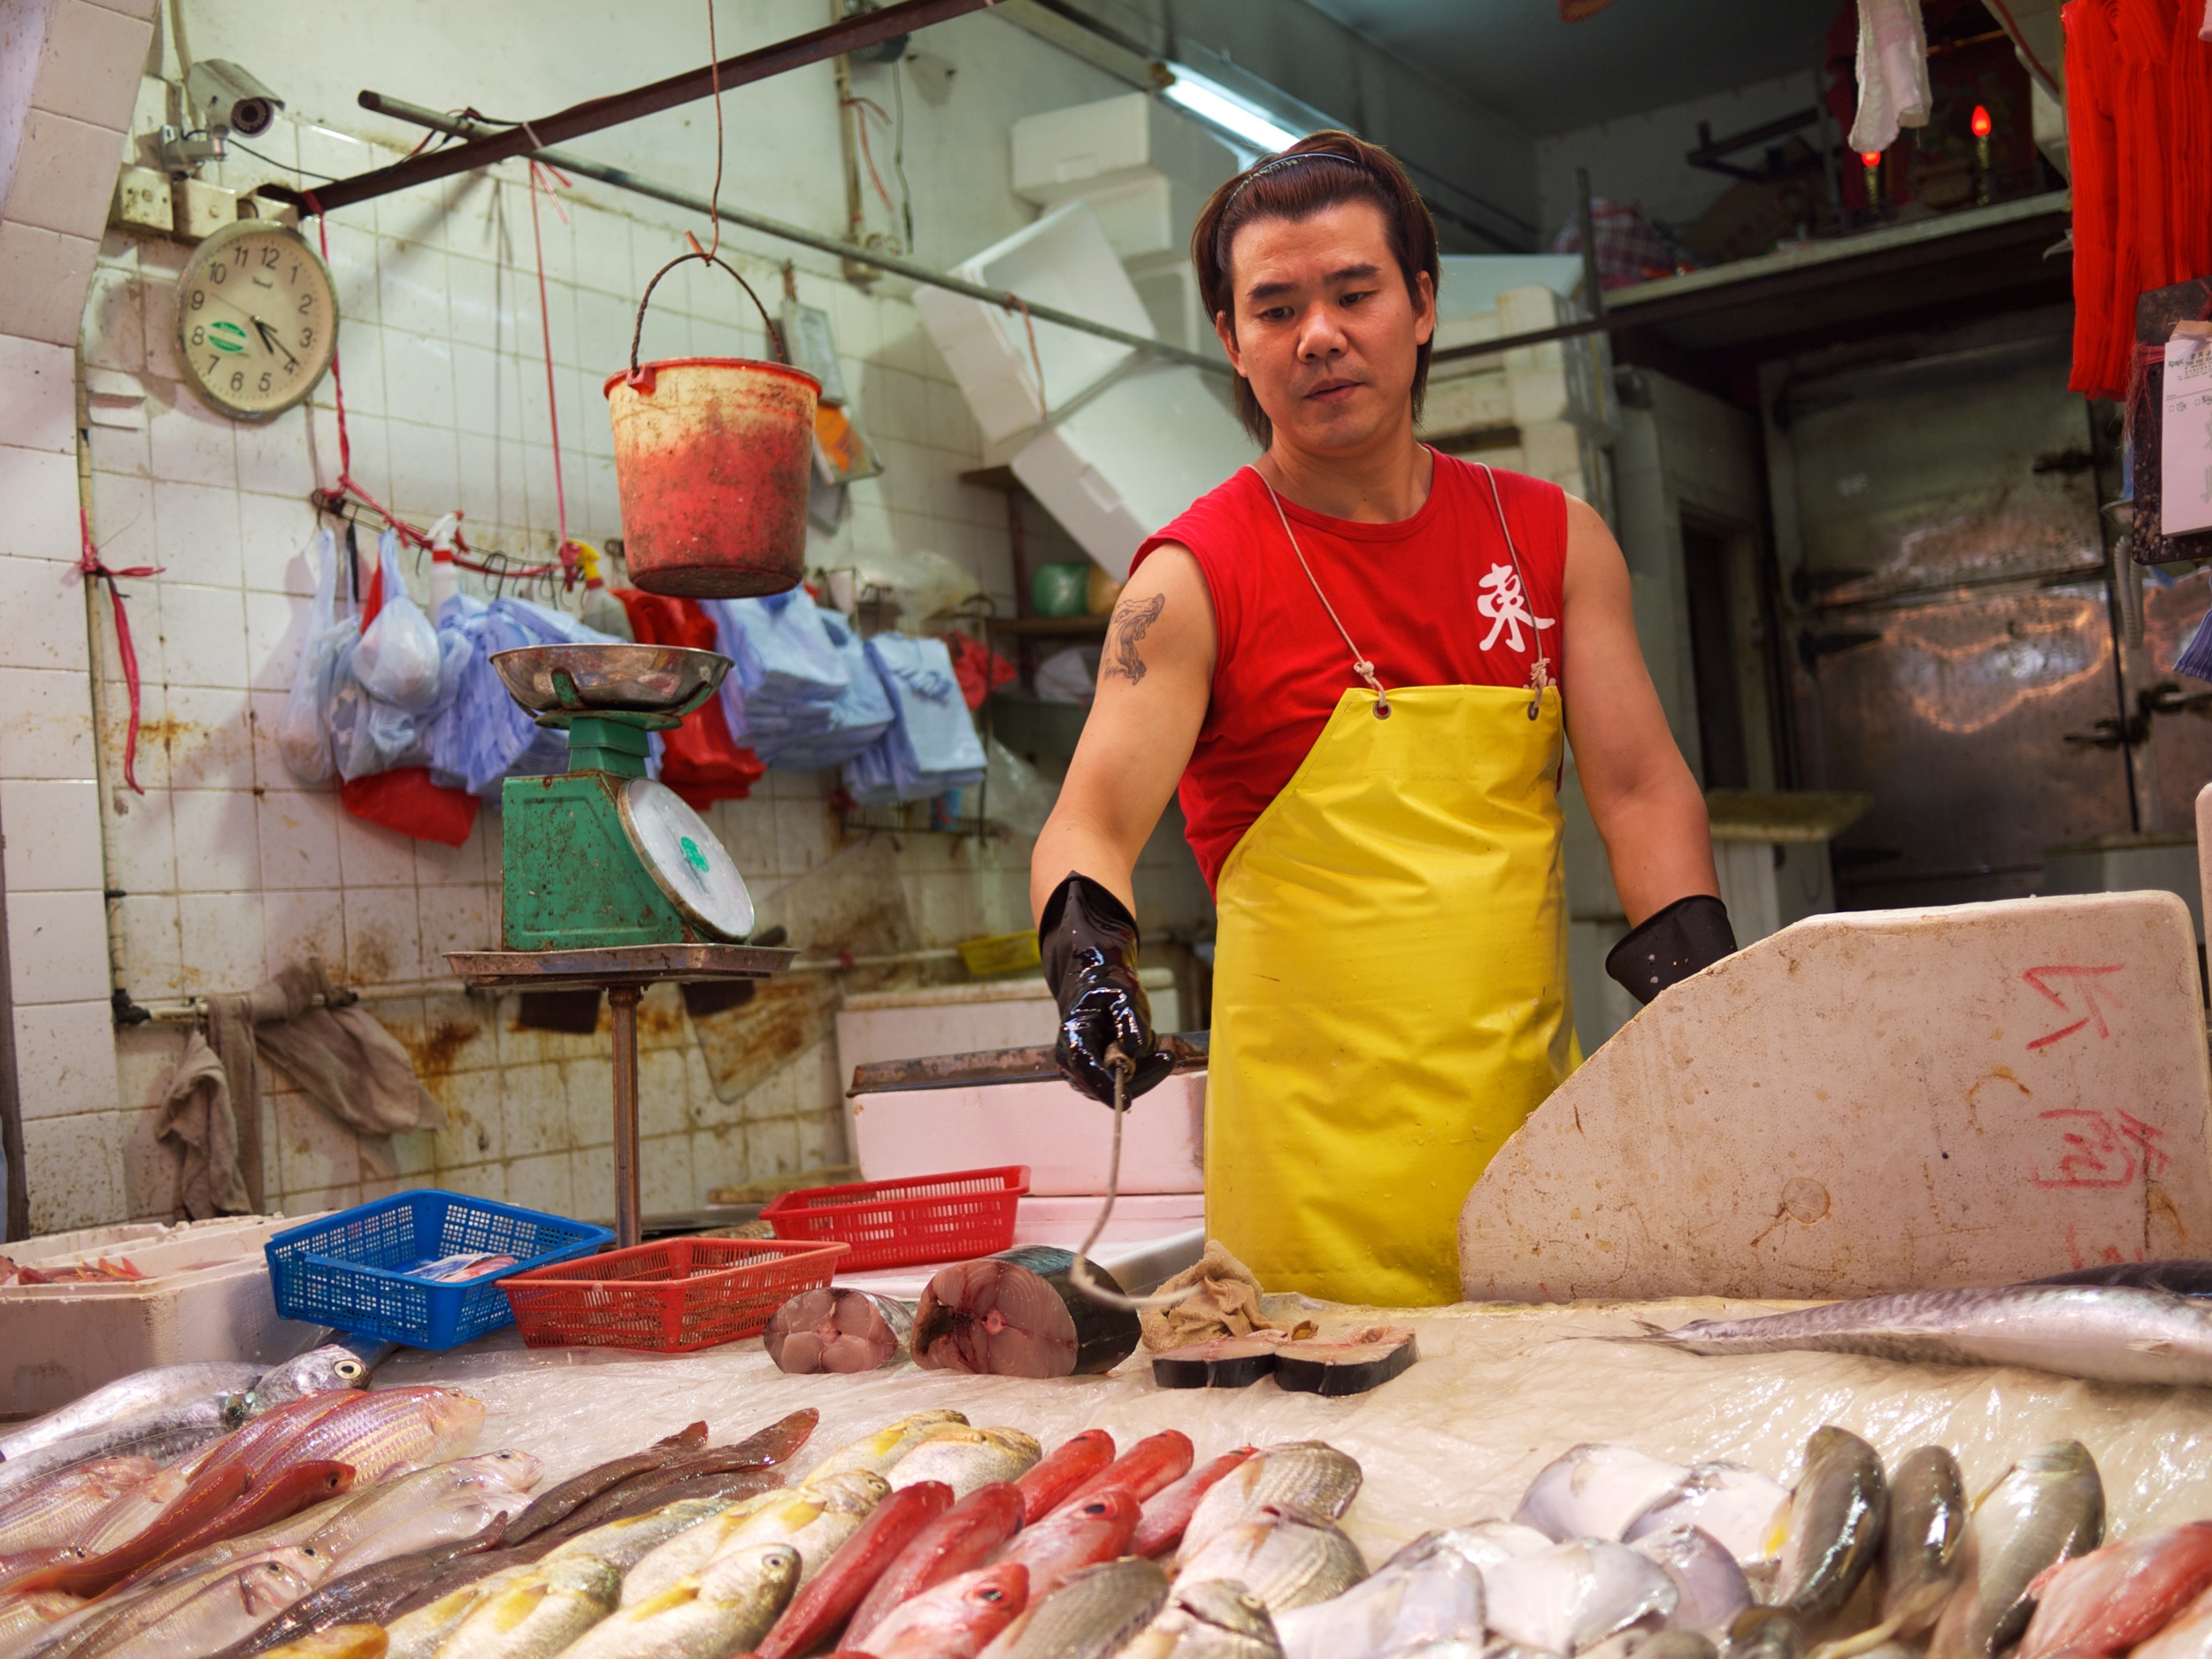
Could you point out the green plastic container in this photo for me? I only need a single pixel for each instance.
(1061, 590)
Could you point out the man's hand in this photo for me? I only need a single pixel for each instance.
(1089, 943)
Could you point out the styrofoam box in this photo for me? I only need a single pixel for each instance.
(1126, 462)
(969, 1019)
(206, 1296)
(1066, 1137)
(1064, 260)
(1169, 288)
(1059, 154)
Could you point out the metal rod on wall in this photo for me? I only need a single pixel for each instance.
(462, 126)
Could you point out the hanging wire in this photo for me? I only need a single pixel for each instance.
(862, 108)
(714, 79)
(898, 151)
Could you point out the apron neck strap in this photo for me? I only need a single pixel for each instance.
(1360, 665)
(1539, 671)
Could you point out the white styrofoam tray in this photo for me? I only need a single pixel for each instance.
(1066, 1137)
(1150, 1237)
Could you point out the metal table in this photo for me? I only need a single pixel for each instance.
(622, 972)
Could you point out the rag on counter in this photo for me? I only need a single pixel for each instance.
(932, 745)
(1226, 1302)
(341, 1058)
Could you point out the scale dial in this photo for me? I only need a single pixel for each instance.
(257, 320)
(684, 860)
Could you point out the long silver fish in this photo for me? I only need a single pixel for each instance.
(1833, 1531)
(319, 1369)
(2046, 1509)
(163, 1433)
(162, 1387)
(2099, 1333)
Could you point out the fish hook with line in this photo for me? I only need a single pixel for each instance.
(1079, 1272)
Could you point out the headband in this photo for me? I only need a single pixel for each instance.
(1266, 167)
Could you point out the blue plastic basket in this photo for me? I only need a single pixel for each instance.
(342, 1271)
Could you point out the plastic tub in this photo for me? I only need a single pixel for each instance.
(344, 1271)
(936, 1218)
(1066, 1137)
(671, 1297)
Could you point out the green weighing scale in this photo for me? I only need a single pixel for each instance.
(612, 882)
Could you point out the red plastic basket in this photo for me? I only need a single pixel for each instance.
(672, 1297)
(896, 1224)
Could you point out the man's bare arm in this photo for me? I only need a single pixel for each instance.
(1155, 677)
(1647, 805)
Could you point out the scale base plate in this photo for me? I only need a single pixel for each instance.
(614, 964)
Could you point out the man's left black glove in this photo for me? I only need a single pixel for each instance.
(1089, 940)
(1668, 946)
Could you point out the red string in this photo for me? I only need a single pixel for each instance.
(566, 548)
(88, 562)
(860, 125)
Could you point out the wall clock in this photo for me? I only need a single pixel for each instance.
(257, 320)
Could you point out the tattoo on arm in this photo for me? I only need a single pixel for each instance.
(1133, 620)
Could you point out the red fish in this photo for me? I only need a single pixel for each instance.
(253, 1445)
(957, 1619)
(2113, 1598)
(208, 1496)
(963, 1537)
(282, 1495)
(1153, 1462)
(1070, 1539)
(855, 1569)
(21, 1565)
(1051, 1483)
(1160, 1528)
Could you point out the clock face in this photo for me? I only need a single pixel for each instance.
(257, 318)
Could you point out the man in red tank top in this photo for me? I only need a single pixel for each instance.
(1355, 658)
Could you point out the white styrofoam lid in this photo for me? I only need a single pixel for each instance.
(684, 859)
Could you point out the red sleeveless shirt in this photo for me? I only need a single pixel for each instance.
(1431, 601)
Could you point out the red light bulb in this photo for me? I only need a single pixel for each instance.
(1980, 123)
(1870, 159)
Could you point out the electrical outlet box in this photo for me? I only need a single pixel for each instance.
(201, 209)
(142, 201)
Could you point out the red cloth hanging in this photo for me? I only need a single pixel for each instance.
(702, 761)
(405, 800)
(979, 669)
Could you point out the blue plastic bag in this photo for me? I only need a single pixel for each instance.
(931, 746)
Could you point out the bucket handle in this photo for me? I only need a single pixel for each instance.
(775, 334)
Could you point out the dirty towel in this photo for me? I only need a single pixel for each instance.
(1228, 1304)
(341, 1057)
(1893, 73)
(195, 1113)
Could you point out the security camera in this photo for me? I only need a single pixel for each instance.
(230, 99)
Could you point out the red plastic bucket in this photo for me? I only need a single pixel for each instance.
(713, 456)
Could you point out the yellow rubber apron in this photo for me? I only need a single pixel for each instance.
(1390, 991)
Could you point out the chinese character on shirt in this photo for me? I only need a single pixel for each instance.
(1507, 607)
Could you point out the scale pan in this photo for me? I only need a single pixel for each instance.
(637, 679)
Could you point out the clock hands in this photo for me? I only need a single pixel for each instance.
(270, 339)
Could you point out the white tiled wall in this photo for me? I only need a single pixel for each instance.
(226, 868)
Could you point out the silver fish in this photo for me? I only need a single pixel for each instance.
(1287, 1560)
(2046, 1509)
(1298, 1477)
(237, 1604)
(1484, 1544)
(319, 1369)
(1835, 1529)
(1924, 1548)
(1706, 1576)
(1734, 1504)
(1431, 1591)
(2099, 1332)
(121, 1615)
(1573, 1595)
(725, 1609)
(1595, 1492)
(163, 1433)
(163, 1388)
(1093, 1614)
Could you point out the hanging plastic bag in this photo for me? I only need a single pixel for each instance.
(405, 799)
(1020, 796)
(397, 659)
(302, 740)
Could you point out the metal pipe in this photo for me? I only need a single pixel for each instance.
(864, 28)
(628, 1212)
(19, 1184)
(462, 126)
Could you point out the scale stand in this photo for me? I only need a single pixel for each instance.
(622, 972)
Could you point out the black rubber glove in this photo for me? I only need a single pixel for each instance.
(1089, 940)
(1668, 946)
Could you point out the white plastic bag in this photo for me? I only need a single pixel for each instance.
(397, 658)
(302, 739)
(1020, 797)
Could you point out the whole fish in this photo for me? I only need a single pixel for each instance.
(2112, 1598)
(964, 1459)
(390, 1429)
(1046, 1486)
(2182, 1278)
(556, 1503)
(683, 1557)
(1573, 1595)
(1428, 1591)
(1736, 1505)
(817, 1520)
(117, 1618)
(1302, 1476)
(320, 1371)
(1152, 1465)
(374, 1594)
(2046, 1509)
(162, 1388)
(1093, 1614)
(957, 1542)
(1923, 1546)
(206, 1498)
(1287, 1560)
(623, 1544)
(1214, 1618)
(26, 1620)
(878, 1453)
(1711, 1586)
(240, 1601)
(418, 1635)
(163, 1435)
(65, 1510)
(2101, 1333)
(1168, 1511)
(828, 1601)
(1487, 1544)
(724, 1609)
(540, 1614)
(1070, 1539)
(134, 1511)
(340, 1641)
(254, 1446)
(956, 1619)
(1595, 1492)
(728, 1473)
(300, 1486)
(1833, 1531)
(445, 1502)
